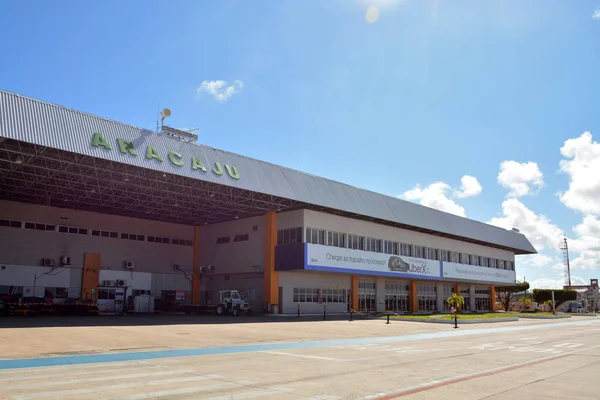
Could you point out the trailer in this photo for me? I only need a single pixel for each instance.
(230, 302)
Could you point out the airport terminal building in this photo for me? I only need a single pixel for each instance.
(95, 209)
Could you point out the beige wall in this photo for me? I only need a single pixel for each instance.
(22, 250)
(319, 220)
(289, 280)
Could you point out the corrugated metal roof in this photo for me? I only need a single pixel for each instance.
(45, 124)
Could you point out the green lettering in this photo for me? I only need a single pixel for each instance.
(232, 171)
(126, 147)
(152, 153)
(217, 169)
(100, 141)
(176, 158)
(197, 164)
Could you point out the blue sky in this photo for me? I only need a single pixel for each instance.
(388, 95)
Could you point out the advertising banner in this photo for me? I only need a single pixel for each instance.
(474, 273)
(335, 259)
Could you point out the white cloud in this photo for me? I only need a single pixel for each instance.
(469, 186)
(540, 231)
(596, 14)
(220, 90)
(434, 196)
(582, 164)
(521, 179)
(590, 226)
(555, 283)
(586, 245)
(382, 4)
(536, 260)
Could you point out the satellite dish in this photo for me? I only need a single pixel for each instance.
(165, 113)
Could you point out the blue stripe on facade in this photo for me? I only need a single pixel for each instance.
(367, 272)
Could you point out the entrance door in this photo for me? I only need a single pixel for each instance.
(366, 295)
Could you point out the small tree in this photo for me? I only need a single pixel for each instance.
(526, 302)
(560, 296)
(456, 300)
(507, 293)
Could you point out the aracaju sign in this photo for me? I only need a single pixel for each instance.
(126, 147)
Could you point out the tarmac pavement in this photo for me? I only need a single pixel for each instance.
(327, 360)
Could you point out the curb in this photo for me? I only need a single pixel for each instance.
(544, 316)
(464, 321)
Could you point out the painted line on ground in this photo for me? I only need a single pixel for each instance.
(208, 351)
(32, 385)
(106, 388)
(25, 377)
(253, 394)
(182, 391)
(410, 390)
(281, 353)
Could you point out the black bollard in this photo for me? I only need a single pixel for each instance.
(324, 312)
(298, 310)
(388, 317)
(351, 314)
(455, 321)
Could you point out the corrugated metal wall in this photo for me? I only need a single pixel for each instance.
(45, 124)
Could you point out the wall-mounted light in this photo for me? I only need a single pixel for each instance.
(19, 160)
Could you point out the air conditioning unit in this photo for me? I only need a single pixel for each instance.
(48, 262)
(201, 270)
(120, 283)
(129, 264)
(210, 268)
(65, 260)
(108, 282)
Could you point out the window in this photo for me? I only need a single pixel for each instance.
(493, 263)
(29, 225)
(445, 255)
(454, 257)
(302, 295)
(4, 222)
(356, 242)
(189, 243)
(159, 240)
(333, 296)
(57, 292)
(391, 247)
(151, 239)
(106, 294)
(241, 238)
(433, 254)
(40, 227)
(315, 236)
(406, 249)
(419, 251)
(176, 241)
(464, 258)
(500, 264)
(82, 231)
(123, 235)
(51, 228)
(114, 235)
(221, 240)
(289, 236)
(475, 260)
(104, 233)
(336, 239)
(484, 261)
(15, 224)
(374, 245)
(182, 242)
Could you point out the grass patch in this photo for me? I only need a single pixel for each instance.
(450, 317)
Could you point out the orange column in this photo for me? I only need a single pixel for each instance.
(271, 279)
(414, 304)
(90, 277)
(354, 289)
(492, 298)
(196, 267)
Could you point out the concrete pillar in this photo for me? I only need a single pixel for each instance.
(380, 294)
(492, 298)
(472, 297)
(271, 278)
(439, 290)
(414, 304)
(196, 283)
